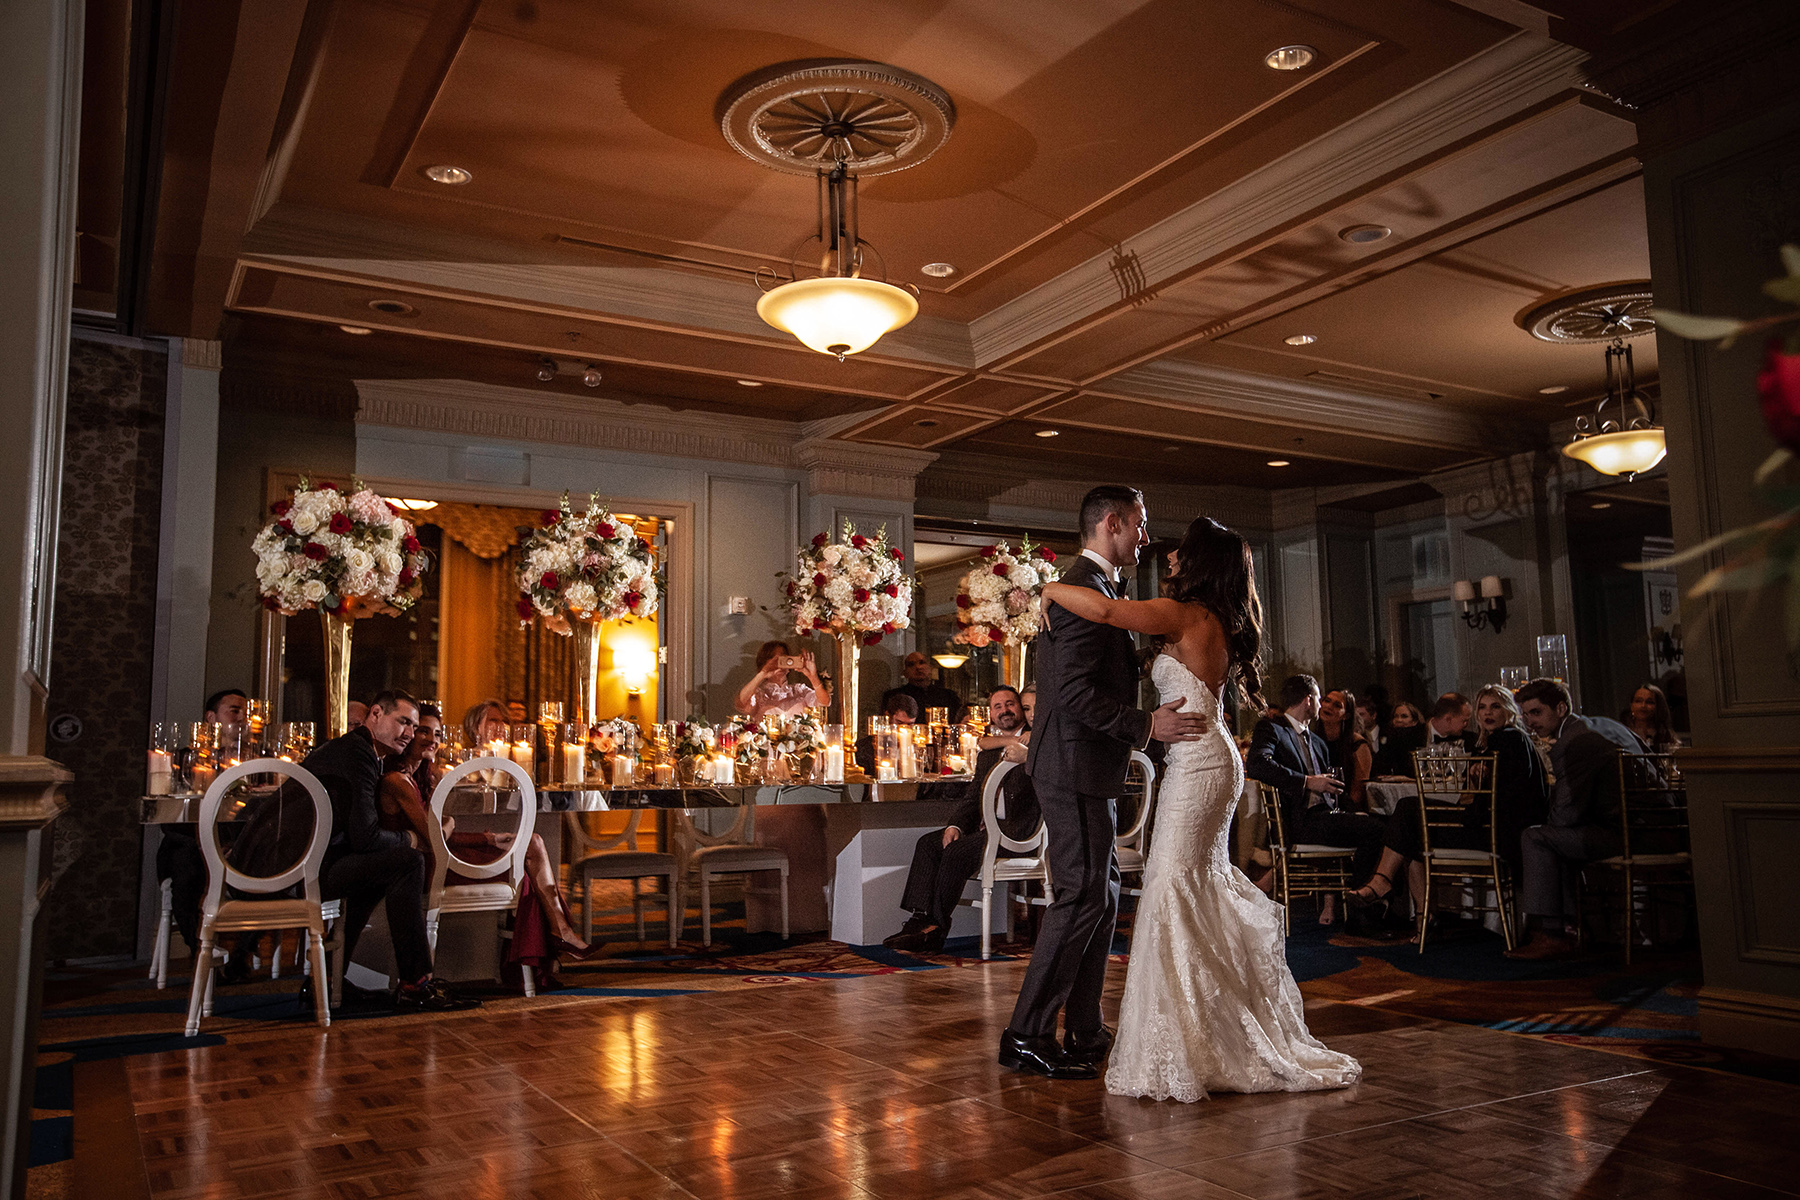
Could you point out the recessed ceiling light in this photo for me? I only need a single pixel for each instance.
(938, 270)
(546, 370)
(1171, 449)
(1300, 339)
(1048, 432)
(1603, 504)
(1290, 58)
(1553, 389)
(358, 330)
(1361, 235)
(454, 176)
(749, 383)
(928, 423)
(395, 308)
(1279, 462)
(591, 376)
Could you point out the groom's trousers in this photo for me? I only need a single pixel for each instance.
(1068, 963)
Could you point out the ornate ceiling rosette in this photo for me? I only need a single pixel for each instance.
(803, 117)
(1594, 314)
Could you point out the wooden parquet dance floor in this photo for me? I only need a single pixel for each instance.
(886, 1086)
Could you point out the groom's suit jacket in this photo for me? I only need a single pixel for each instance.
(1087, 720)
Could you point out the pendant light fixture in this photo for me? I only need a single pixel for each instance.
(836, 120)
(1629, 441)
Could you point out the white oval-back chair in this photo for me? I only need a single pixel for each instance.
(1030, 858)
(1132, 846)
(497, 883)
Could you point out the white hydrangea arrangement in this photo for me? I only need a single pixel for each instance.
(587, 568)
(350, 554)
(997, 599)
(857, 585)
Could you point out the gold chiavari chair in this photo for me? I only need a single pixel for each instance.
(1307, 869)
(1653, 814)
(1453, 788)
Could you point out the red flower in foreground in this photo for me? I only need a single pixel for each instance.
(818, 581)
(549, 581)
(631, 599)
(1000, 570)
(549, 516)
(858, 540)
(280, 507)
(964, 600)
(860, 595)
(315, 552)
(604, 529)
(410, 544)
(406, 576)
(818, 622)
(899, 554)
(340, 523)
(989, 551)
(888, 628)
(892, 589)
(819, 539)
(270, 603)
(525, 608)
(1047, 554)
(285, 526)
(997, 633)
(1778, 384)
(872, 639)
(322, 486)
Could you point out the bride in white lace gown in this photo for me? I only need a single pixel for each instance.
(1210, 1005)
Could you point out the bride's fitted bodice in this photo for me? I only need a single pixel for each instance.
(1201, 779)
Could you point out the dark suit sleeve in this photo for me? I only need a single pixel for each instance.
(1261, 765)
(1083, 647)
(351, 780)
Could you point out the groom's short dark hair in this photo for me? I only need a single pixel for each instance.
(1296, 688)
(1107, 498)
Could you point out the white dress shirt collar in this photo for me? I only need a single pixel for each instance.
(1106, 565)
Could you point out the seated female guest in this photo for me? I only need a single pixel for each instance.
(772, 690)
(1350, 750)
(1648, 717)
(1406, 715)
(1521, 799)
(542, 930)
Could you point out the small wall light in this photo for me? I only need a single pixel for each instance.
(1484, 603)
(635, 662)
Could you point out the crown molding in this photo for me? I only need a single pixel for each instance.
(1306, 405)
(344, 244)
(850, 469)
(1505, 79)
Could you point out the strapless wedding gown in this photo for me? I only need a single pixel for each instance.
(1210, 1005)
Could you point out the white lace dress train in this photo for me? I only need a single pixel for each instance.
(1210, 1005)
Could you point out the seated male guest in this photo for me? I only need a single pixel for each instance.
(1008, 719)
(896, 707)
(925, 693)
(1584, 822)
(366, 865)
(1288, 756)
(947, 859)
(1448, 725)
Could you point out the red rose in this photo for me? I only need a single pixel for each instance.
(631, 599)
(1000, 570)
(549, 581)
(393, 509)
(286, 526)
(549, 516)
(858, 540)
(892, 589)
(324, 487)
(406, 576)
(989, 551)
(964, 601)
(818, 581)
(525, 608)
(860, 595)
(270, 603)
(790, 590)
(818, 622)
(410, 544)
(604, 529)
(340, 522)
(1779, 386)
(818, 539)
(899, 554)
(1047, 554)
(280, 507)
(872, 639)
(888, 628)
(315, 552)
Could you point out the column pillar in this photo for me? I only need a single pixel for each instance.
(185, 561)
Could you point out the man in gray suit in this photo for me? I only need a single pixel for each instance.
(1086, 727)
(1584, 821)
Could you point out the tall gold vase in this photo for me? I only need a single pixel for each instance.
(586, 655)
(849, 665)
(337, 672)
(1012, 664)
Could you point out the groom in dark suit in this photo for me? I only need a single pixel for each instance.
(1087, 725)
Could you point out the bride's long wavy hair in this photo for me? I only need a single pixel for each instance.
(1213, 568)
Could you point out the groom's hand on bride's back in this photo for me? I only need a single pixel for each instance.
(1167, 724)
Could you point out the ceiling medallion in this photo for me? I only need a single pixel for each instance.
(1596, 314)
(808, 116)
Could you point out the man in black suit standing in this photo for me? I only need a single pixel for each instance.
(1086, 727)
(1447, 725)
(1288, 756)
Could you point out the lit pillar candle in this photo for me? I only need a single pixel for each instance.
(203, 777)
(162, 773)
(522, 754)
(834, 764)
(884, 771)
(624, 771)
(907, 765)
(724, 771)
(574, 757)
(665, 774)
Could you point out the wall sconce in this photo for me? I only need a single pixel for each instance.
(635, 662)
(1484, 604)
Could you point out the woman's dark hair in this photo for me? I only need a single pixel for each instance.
(1213, 569)
(769, 650)
(1662, 727)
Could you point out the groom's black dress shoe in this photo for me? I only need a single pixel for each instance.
(1041, 1056)
(1088, 1048)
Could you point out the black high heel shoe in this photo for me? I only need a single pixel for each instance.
(1373, 897)
(574, 953)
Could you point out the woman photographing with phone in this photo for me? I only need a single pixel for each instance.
(772, 689)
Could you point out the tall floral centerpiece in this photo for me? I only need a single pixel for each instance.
(347, 555)
(857, 591)
(579, 570)
(997, 602)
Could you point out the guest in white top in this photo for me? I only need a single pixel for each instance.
(772, 689)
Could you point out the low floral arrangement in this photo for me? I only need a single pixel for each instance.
(857, 585)
(608, 736)
(348, 554)
(996, 601)
(585, 568)
(1768, 551)
(746, 739)
(801, 736)
(694, 738)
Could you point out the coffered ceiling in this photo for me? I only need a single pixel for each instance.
(1139, 211)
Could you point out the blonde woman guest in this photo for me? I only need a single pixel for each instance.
(772, 688)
